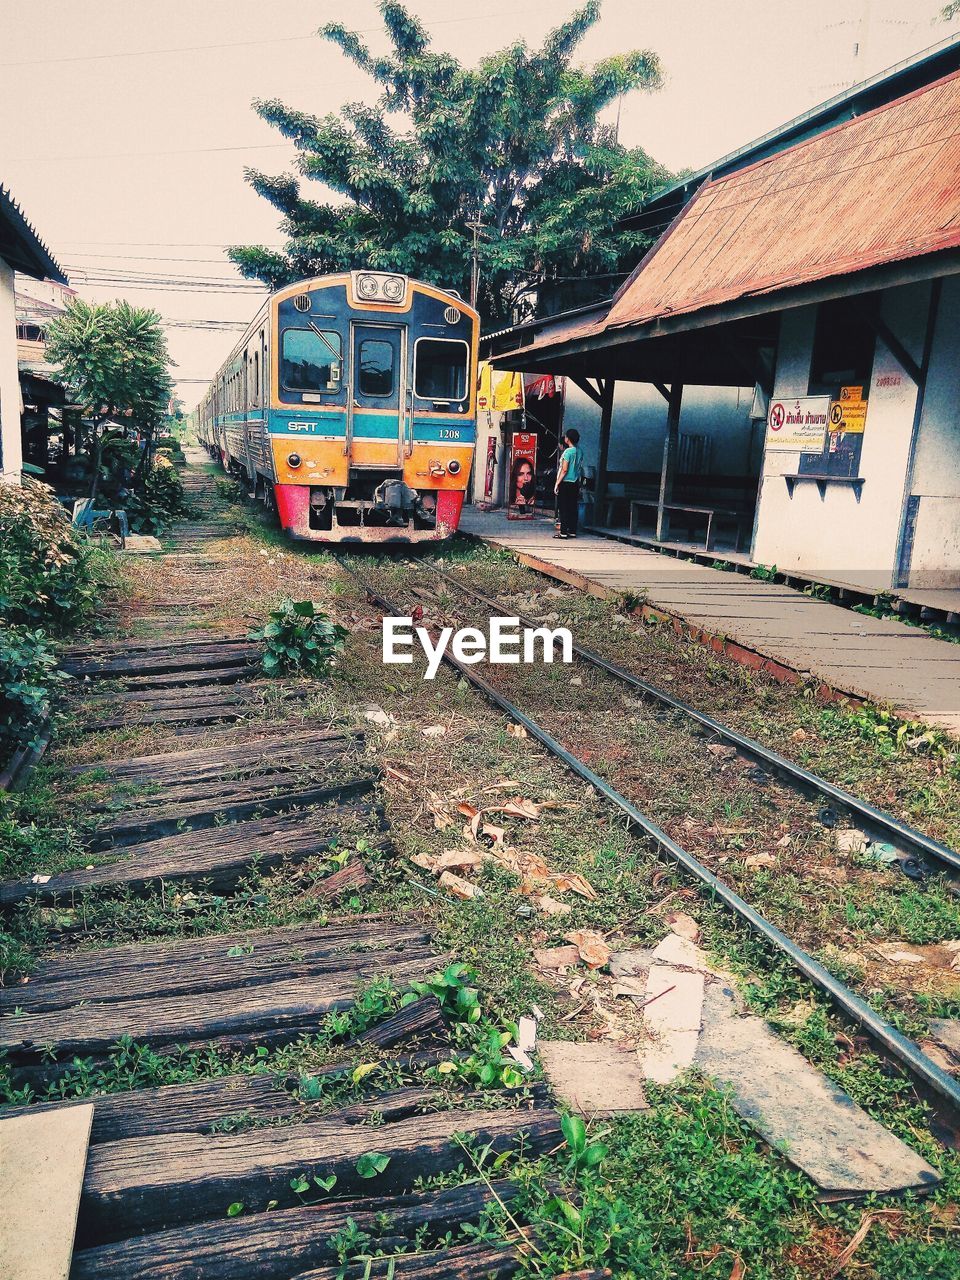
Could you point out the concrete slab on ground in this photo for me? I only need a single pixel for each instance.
(42, 1162)
(791, 1104)
(880, 659)
(594, 1079)
(801, 1113)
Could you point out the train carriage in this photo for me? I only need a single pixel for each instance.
(350, 403)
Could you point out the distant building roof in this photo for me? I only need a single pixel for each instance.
(879, 189)
(21, 247)
(659, 210)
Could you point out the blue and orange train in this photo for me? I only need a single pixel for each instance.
(350, 403)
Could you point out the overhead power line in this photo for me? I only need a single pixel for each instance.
(482, 16)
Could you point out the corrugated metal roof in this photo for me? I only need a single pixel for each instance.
(879, 189)
(20, 245)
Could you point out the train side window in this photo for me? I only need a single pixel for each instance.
(440, 369)
(256, 377)
(310, 360)
(375, 361)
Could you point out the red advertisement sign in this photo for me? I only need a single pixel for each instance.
(522, 493)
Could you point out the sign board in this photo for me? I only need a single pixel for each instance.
(799, 424)
(522, 495)
(849, 411)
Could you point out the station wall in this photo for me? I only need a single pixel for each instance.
(639, 424)
(836, 536)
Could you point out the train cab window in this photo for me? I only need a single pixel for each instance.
(375, 361)
(310, 360)
(440, 369)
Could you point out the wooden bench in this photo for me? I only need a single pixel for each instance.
(712, 514)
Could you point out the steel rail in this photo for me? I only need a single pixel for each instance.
(894, 1042)
(891, 826)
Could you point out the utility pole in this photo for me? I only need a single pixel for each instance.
(476, 228)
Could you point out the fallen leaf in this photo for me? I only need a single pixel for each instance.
(549, 906)
(417, 614)
(468, 810)
(575, 883)
(557, 957)
(441, 820)
(377, 715)
(425, 860)
(459, 859)
(594, 952)
(397, 773)
(798, 735)
(516, 731)
(459, 887)
(496, 834)
(683, 924)
(758, 860)
(518, 807)
(850, 840)
(434, 731)
(784, 842)
(721, 751)
(902, 957)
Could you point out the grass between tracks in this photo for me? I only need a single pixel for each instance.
(685, 1189)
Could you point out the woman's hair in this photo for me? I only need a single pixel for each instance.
(573, 435)
(518, 466)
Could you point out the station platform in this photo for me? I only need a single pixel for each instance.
(762, 624)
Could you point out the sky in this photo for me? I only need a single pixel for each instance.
(125, 125)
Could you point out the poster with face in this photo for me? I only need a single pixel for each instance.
(523, 472)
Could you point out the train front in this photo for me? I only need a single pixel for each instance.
(373, 416)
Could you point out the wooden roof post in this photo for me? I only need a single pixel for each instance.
(606, 415)
(671, 443)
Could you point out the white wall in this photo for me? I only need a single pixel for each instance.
(640, 421)
(936, 476)
(9, 381)
(836, 536)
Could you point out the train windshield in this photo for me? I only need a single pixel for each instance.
(441, 369)
(310, 360)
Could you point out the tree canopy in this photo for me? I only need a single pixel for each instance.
(514, 143)
(114, 359)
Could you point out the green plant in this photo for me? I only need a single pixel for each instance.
(27, 674)
(299, 638)
(458, 999)
(764, 572)
(47, 569)
(159, 499)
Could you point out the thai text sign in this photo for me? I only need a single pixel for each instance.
(849, 411)
(799, 424)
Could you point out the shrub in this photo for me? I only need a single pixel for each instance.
(27, 673)
(46, 567)
(159, 499)
(301, 638)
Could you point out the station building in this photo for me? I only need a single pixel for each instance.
(26, 392)
(778, 381)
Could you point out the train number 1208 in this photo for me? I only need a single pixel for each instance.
(449, 433)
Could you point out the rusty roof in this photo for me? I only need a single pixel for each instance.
(871, 191)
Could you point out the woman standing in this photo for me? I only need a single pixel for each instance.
(567, 488)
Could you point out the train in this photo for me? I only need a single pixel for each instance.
(350, 405)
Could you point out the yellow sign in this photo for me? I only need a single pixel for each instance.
(849, 411)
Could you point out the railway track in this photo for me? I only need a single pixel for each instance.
(924, 1071)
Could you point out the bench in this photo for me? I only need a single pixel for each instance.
(712, 514)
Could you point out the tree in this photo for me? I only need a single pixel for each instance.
(114, 359)
(514, 144)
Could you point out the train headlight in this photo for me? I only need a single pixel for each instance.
(453, 466)
(393, 288)
(293, 460)
(368, 287)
